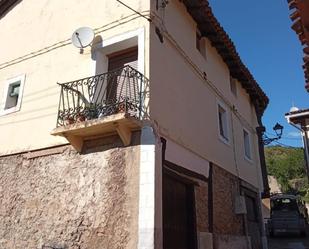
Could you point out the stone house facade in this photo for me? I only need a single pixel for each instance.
(147, 138)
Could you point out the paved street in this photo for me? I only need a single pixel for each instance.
(289, 242)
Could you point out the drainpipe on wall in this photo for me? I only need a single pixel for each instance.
(260, 131)
(266, 190)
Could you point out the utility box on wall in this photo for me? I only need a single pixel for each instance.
(240, 205)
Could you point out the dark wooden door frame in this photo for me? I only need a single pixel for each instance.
(246, 190)
(190, 187)
(116, 61)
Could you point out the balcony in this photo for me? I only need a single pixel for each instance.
(102, 105)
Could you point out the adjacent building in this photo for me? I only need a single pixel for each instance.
(299, 117)
(151, 137)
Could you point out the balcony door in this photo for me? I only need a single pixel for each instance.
(118, 85)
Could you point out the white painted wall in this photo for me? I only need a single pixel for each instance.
(40, 32)
(146, 217)
(184, 105)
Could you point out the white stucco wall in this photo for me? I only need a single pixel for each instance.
(184, 105)
(44, 28)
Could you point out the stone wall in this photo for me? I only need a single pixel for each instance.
(71, 200)
(228, 227)
(225, 189)
(201, 206)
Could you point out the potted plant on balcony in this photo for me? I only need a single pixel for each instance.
(68, 120)
(80, 117)
(91, 111)
(123, 106)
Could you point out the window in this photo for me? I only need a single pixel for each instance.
(198, 41)
(200, 44)
(233, 85)
(223, 122)
(247, 145)
(12, 95)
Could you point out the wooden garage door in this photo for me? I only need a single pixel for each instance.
(179, 230)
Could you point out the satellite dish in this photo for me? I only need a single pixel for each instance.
(82, 37)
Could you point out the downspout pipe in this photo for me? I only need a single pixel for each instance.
(260, 131)
(266, 190)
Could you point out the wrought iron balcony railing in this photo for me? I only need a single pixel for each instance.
(109, 93)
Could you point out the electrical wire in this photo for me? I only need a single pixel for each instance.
(282, 144)
(285, 137)
(200, 73)
(292, 138)
(148, 19)
(66, 42)
(170, 38)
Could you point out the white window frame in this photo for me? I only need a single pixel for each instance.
(16, 108)
(224, 139)
(139, 34)
(247, 157)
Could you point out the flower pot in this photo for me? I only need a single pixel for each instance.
(69, 120)
(80, 117)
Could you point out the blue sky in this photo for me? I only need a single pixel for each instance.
(261, 31)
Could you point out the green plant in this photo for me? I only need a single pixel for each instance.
(287, 165)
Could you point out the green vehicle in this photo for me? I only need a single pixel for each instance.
(288, 214)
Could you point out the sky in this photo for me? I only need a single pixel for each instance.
(261, 31)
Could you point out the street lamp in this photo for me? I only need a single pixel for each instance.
(278, 129)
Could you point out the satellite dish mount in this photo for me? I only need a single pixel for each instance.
(82, 37)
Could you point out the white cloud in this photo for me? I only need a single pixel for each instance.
(294, 134)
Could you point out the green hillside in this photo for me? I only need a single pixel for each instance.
(288, 166)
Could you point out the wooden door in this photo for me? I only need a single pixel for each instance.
(123, 58)
(117, 85)
(253, 221)
(179, 231)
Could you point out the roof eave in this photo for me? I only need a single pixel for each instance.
(209, 27)
(6, 5)
(300, 18)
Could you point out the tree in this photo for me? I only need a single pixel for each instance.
(286, 164)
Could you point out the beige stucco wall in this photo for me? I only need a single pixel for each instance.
(44, 28)
(184, 105)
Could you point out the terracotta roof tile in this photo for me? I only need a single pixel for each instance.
(211, 28)
(300, 18)
(5, 5)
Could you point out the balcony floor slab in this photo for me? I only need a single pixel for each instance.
(121, 123)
